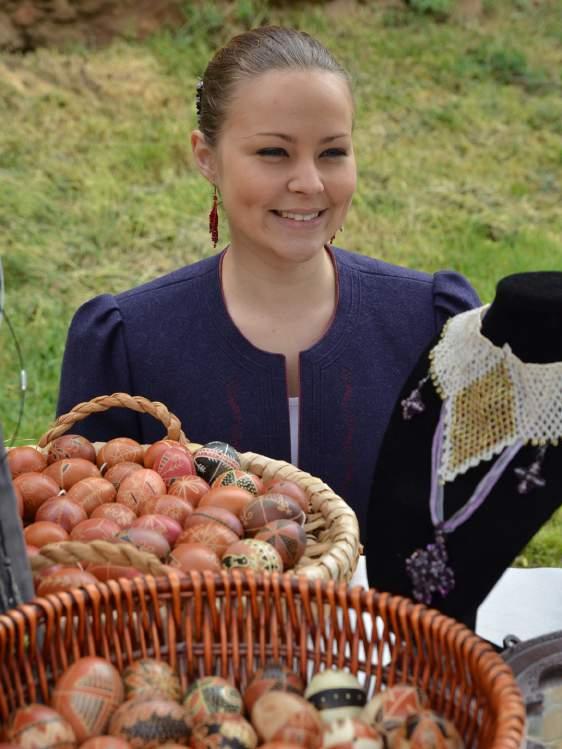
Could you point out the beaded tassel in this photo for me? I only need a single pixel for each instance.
(413, 404)
(214, 220)
(429, 572)
(530, 477)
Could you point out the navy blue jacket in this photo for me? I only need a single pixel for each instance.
(172, 340)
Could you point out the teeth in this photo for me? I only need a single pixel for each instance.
(299, 216)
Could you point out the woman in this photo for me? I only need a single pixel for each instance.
(282, 343)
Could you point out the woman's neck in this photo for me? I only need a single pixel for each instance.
(527, 314)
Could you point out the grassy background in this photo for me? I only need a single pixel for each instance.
(458, 138)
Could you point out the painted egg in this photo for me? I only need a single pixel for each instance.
(237, 477)
(120, 471)
(351, 733)
(289, 489)
(69, 471)
(118, 513)
(25, 459)
(426, 730)
(94, 529)
(162, 524)
(251, 554)
(154, 451)
(87, 695)
(35, 488)
(44, 572)
(232, 498)
(387, 710)
(211, 694)
(214, 458)
(287, 537)
(120, 450)
(223, 730)
(44, 532)
(336, 694)
(214, 535)
(105, 742)
(149, 678)
(105, 572)
(145, 540)
(280, 745)
(140, 486)
(19, 500)
(146, 724)
(191, 488)
(166, 504)
(173, 464)
(40, 727)
(273, 676)
(189, 557)
(31, 550)
(62, 511)
(65, 578)
(281, 716)
(71, 446)
(91, 493)
(218, 515)
(270, 507)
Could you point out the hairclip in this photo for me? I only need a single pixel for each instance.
(198, 93)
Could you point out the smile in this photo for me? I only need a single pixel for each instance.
(299, 216)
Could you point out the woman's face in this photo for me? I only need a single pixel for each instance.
(284, 163)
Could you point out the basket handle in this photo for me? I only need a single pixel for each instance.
(121, 400)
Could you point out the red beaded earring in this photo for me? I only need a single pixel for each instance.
(214, 219)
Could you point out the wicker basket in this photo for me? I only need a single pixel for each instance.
(332, 549)
(230, 624)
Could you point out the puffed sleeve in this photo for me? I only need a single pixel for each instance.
(95, 362)
(452, 294)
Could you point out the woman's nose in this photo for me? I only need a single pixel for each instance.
(306, 179)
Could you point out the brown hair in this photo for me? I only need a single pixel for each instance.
(248, 55)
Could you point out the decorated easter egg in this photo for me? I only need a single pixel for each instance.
(426, 730)
(231, 498)
(105, 742)
(91, 493)
(351, 733)
(154, 451)
(273, 676)
(140, 486)
(223, 730)
(35, 488)
(87, 695)
(214, 458)
(25, 459)
(214, 535)
(270, 507)
(251, 554)
(166, 526)
(336, 694)
(280, 745)
(69, 471)
(44, 532)
(71, 446)
(118, 513)
(191, 488)
(62, 511)
(388, 709)
(120, 450)
(218, 515)
(166, 504)
(40, 727)
(145, 539)
(149, 678)
(289, 489)
(145, 724)
(194, 557)
(93, 529)
(119, 471)
(287, 537)
(19, 500)
(282, 716)
(106, 571)
(174, 463)
(211, 694)
(65, 578)
(237, 477)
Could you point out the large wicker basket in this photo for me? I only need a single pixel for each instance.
(230, 624)
(333, 547)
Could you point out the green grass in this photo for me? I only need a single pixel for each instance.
(458, 137)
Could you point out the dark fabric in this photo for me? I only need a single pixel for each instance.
(172, 340)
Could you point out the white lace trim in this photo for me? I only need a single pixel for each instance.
(492, 398)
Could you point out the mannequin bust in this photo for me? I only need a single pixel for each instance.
(526, 314)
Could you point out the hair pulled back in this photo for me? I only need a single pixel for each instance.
(248, 55)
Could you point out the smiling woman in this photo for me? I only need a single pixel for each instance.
(281, 343)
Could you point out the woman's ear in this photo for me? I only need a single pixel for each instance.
(204, 155)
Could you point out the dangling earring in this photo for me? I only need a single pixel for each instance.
(214, 219)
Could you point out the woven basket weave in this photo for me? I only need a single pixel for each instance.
(332, 549)
(230, 624)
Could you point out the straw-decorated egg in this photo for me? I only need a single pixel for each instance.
(140, 486)
(104, 742)
(25, 459)
(214, 458)
(287, 537)
(251, 554)
(118, 513)
(273, 676)
(191, 488)
(90, 493)
(120, 450)
(269, 507)
(62, 511)
(223, 730)
(426, 730)
(69, 471)
(174, 463)
(211, 694)
(336, 694)
(166, 504)
(145, 724)
(40, 727)
(194, 557)
(237, 477)
(281, 716)
(145, 539)
(71, 446)
(388, 709)
(149, 678)
(120, 471)
(214, 535)
(87, 695)
(351, 733)
(93, 529)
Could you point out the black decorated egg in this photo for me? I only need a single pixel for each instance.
(336, 694)
(146, 724)
(215, 458)
(390, 708)
(219, 730)
(249, 553)
(273, 676)
(149, 678)
(352, 733)
(426, 730)
(211, 694)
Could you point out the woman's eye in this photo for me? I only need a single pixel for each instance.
(334, 152)
(272, 152)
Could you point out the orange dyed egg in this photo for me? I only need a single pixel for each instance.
(64, 578)
(40, 727)
(105, 572)
(44, 532)
(212, 534)
(19, 501)
(71, 446)
(174, 507)
(25, 459)
(69, 471)
(146, 724)
(281, 716)
(154, 451)
(145, 540)
(105, 742)
(289, 489)
(94, 529)
(232, 498)
(217, 514)
(120, 450)
(140, 486)
(119, 471)
(90, 493)
(62, 511)
(120, 514)
(243, 479)
(35, 488)
(191, 488)
(189, 557)
(149, 678)
(174, 463)
(166, 526)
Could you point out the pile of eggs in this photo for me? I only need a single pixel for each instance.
(195, 511)
(95, 707)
